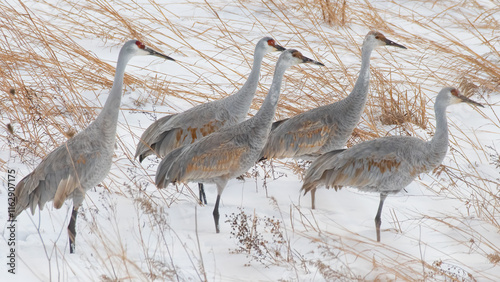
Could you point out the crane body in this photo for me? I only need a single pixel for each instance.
(83, 161)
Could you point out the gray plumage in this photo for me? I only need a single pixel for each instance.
(84, 160)
(323, 129)
(173, 131)
(231, 151)
(385, 165)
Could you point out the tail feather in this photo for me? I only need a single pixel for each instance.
(166, 171)
(160, 179)
(308, 186)
(21, 202)
(151, 136)
(25, 197)
(143, 150)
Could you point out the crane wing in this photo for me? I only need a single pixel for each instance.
(363, 165)
(151, 137)
(171, 132)
(214, 156)
(57, 176)
(296, 137)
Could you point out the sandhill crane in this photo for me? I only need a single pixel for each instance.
(323, 129)
(385, 165)
(173, 131)
(231, 151)
(84, 160)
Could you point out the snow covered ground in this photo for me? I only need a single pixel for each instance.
(444, 226)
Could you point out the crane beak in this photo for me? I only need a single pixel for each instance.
(464, 99)
(392, 43)
(279, 48)
(307, 60)
(157, 54)
(304, 59)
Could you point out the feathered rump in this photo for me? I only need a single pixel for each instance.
(315, 173)
(151, 137)
(166, 169)
(58, 176)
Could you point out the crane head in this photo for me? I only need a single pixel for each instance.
(456, 97)
(140, 49)
(300, 59)
(268, 44)
(275, 46)
(381, 40)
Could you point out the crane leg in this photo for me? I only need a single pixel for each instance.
(216, 214)
(313, 198)
(71, 230)
(378, 222)
(203, 197)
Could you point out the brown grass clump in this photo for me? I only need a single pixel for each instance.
(494, 258)
(411, 110)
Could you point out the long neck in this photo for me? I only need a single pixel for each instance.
(109, 114)
(439, 143)
(241, 100)
(359, 94)
(264, 117)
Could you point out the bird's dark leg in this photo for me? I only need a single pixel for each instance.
(313, 198)
(216, 214)
(203, 197)
(378, 222)
(71, 230)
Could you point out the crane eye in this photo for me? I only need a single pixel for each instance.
(140, 45)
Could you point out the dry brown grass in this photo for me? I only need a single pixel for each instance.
(44, 70)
